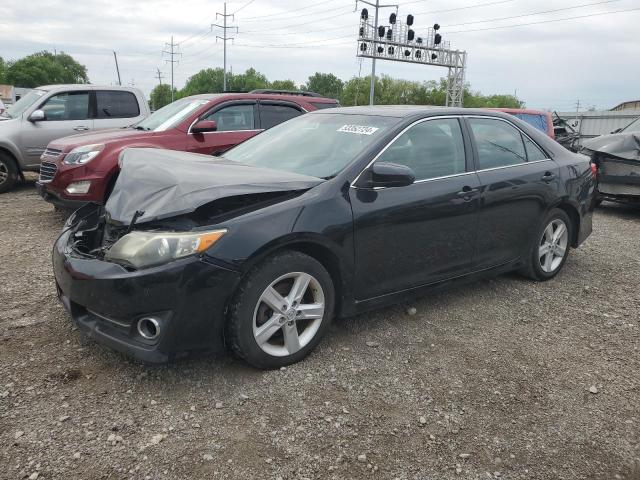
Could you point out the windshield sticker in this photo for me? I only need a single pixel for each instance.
(358, 129)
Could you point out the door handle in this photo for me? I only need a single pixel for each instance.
(548, 176)
(81, 128)
(467, 193)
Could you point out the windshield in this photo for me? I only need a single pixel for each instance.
(633, 126)
(319, 145)
(18, 108)
(171, 115)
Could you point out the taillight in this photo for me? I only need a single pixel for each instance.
(594, 169)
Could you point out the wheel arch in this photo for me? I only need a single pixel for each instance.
(574, 216)
(317, 250)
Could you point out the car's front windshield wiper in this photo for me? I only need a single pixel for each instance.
(140, 127)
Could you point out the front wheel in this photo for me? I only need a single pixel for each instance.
(8, 173)
(281, 310)
(551, 248)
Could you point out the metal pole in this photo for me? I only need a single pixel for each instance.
(117, 68)
(372, 87)
(224, 78)
(172, 94)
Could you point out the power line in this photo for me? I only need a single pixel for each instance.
(545, 21)
(341, 14)
(468, 7)
(260, 17)
(532, 14)
(244, 6)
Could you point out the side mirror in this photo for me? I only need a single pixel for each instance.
(204, 126)
(384, 174)
(37, 116)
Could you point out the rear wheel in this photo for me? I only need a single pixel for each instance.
(8, 173)
(281, 310)
(551, 248)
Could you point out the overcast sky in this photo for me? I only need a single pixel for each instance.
(550, 65)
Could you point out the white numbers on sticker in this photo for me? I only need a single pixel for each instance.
(358, 129)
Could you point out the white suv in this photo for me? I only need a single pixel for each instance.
(55, 111)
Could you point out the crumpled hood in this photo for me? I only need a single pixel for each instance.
(166, 183)
(622, 145)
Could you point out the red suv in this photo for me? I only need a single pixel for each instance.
(83, 168)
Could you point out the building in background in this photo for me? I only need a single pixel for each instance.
(10, 94)
(630, 105)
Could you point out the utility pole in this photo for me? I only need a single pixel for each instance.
(117, 68)
(377, 6)
(159, 76)
(224, 38)
(172, 53)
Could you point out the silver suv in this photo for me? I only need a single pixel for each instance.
(51, 112)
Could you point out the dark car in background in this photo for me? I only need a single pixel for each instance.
(329, 214)
(617, 159)
(83, 168)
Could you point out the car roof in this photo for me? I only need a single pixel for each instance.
(262, 96)
(410, 111)
(83, 86)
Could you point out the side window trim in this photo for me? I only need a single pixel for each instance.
(277, 103)
(523, 135)
(228, 103)
(465, 135)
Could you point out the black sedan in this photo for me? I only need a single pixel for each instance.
(326, 215)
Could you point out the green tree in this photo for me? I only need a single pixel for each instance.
(3, 70)
(160, 96)
(326, 84)
(283, 85)
(45, 68)
(209, 80)
(247, 81)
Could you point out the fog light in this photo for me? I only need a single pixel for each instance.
(79, 187)
(149, 328)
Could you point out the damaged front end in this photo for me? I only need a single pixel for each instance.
(138, 274)
(617, 159)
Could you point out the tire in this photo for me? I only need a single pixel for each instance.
(9, 173)
(548, 265)
(267, 335)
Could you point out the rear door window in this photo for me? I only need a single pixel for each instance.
(271, 114)
(116, 104)
(499, 143)
(67, 106)
(234, 117)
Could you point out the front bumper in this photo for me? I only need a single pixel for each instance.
(55, 199)
(105, 300)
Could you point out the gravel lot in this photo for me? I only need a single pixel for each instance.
(505, 378)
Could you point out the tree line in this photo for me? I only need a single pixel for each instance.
(388, 90)
(45, 68)
(42, 68)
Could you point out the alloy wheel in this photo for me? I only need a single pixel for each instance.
(288, 314)
(553, 245)
(4, 173)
